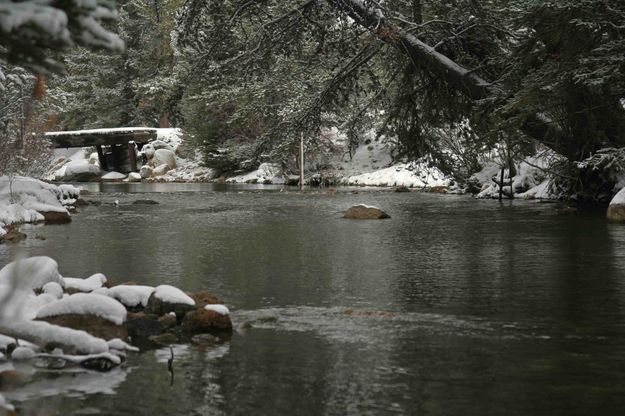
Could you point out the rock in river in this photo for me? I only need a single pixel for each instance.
(204, 320)
(616, 210)
(365, 212)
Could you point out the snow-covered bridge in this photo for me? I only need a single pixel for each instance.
(116, 147)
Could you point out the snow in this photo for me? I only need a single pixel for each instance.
(6, 405)
(265, 172)
(53, 289)
(412, 175)
(118, 344)
(43, 333)
(30, 273)
(104, 131)
(172, 294)
(130, 295)
(85, 285)
(86, 304)
(21, 198)
(220, 309)
(113, 176)
(23, 354)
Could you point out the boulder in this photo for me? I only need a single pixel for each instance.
(13, 235)
(113, 177)
(365, 212)
(134, 177)
(145, 202)
(56, 217)
(164, 157)
(161, 170)
(94, 325)
(78, 171)
(159, 144)
(141, 325)
(166, 299)
(204, 298)
(148, 150)
(202, 321)
(616, 210)
(402, 188)
(145, 171)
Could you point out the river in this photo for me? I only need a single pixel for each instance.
(454, 306)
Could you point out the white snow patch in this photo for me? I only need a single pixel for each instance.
(85, 285)
(86, 304)
(171, 294)
(23, 354)
(220, 309)
(130, 295)
(619, 198)
(30, 273)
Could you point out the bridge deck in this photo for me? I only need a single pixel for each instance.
(101, 137)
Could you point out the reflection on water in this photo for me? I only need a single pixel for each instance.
(453, 306)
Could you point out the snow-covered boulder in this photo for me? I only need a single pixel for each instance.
(167, 299)
(616, 209)
(131, 296)
(89, 284)
(164, 157)
(134, 177)
(159, 144)
(161, 170)
(98, 315)
(93, 159)
(145, 171)
(113, 177)
(148, 150)
(31, 273)
(78, 171)
(365, 212)
(210, 318)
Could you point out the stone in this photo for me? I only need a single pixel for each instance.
(364, 212)
(164, 157)
(134, 177)
(13, 235)
(164, 339)
(94, 325)
(202, 321)
(11, 379)
(402, 188)
(113, 177)
(204, 298)
(144, 202)
(79, 172)
(145, 171)
(160, 307)
(566, 210)
(148, 150)
(56, 217)
(159, 144)
(161, 170)
(168, 321)
(141, 325)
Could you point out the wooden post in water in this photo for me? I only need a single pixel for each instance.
(132, 156)
(301, 162)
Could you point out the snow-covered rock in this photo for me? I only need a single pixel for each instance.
(86, 304)
(145, 171)
(267, 173)
(365, 212)
(161, 170)
(616, 209)
(167, 299)
(130, 296)
(164, 157)
(89, 284)
(113, 177)
(31, 273)
(221, 309)
(134, 177)
(78, 171)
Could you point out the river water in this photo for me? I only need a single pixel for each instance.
(454, 306)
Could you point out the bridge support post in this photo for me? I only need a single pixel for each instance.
(101, 158)
(132, 157)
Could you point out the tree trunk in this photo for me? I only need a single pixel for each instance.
(537, 126)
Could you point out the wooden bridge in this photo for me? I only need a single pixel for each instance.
(115, 147)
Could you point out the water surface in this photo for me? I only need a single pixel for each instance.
(452, 306)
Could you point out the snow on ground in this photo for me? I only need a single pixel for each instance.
(266, 173)
(22, 199)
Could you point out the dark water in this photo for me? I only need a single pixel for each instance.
(492, 309)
